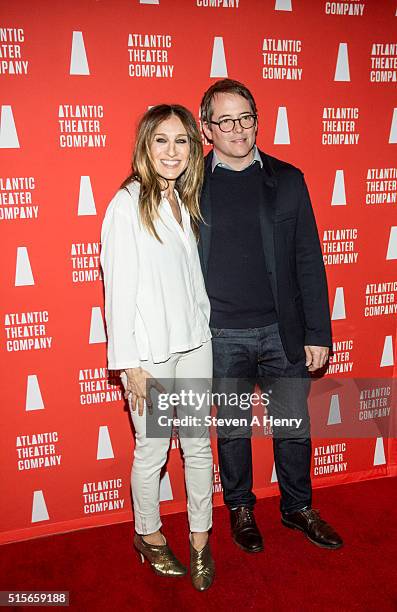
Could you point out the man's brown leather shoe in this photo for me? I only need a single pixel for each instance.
(314, 527)
(244, 529)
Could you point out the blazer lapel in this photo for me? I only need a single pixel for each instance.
(205, 228)
(266, 217)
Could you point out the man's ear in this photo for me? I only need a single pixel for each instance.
(207, 131)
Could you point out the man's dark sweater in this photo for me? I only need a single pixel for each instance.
(238, 284)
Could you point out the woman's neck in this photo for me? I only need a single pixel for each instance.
(169, 192)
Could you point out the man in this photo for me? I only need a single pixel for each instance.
(263, 268)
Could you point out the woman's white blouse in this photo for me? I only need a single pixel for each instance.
(155, 298)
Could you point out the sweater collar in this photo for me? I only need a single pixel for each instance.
(217, 162)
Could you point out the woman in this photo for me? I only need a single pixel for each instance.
(157, 316)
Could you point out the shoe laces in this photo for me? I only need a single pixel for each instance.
(313, 515)
(246, 515)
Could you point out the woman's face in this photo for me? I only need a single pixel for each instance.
(170, 148)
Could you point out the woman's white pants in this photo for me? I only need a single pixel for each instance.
(150, 455)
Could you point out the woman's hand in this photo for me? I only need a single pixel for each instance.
(139, 384)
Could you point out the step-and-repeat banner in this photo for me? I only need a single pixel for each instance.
(74, 79)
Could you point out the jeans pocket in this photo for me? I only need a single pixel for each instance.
(216, 332)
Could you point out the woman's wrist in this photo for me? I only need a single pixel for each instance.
(132, 370)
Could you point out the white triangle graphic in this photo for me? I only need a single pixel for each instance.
(283, 5)
(97, 328)
(388, 353)
(34, 401)
(39, 508)
(174, 443)
(149, 1)
(8, 131)
(393, 128)
(392, 246)
(78, 57)
(105, 449)
(334, 411)
(274, 474)
(165, 488)
(342, 72)
(338, 310)
(281, 135)
(86, 198)
(218, 64)
(379, 455)
(339, 193)
(23, 270)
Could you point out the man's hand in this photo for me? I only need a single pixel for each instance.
(316, 357)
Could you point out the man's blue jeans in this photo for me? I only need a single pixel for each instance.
(257, 356)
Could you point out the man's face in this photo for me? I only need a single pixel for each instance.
(236, 147)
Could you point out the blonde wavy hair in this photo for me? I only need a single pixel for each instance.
(188, 185)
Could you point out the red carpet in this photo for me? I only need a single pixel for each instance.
(102, 572)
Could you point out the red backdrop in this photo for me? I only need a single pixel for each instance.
(74, 78)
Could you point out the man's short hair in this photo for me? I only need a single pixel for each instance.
(224, 86)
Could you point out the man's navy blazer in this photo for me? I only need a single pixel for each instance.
(292, 253)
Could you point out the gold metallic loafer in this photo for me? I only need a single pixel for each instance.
(161, 558)
(202, 567)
